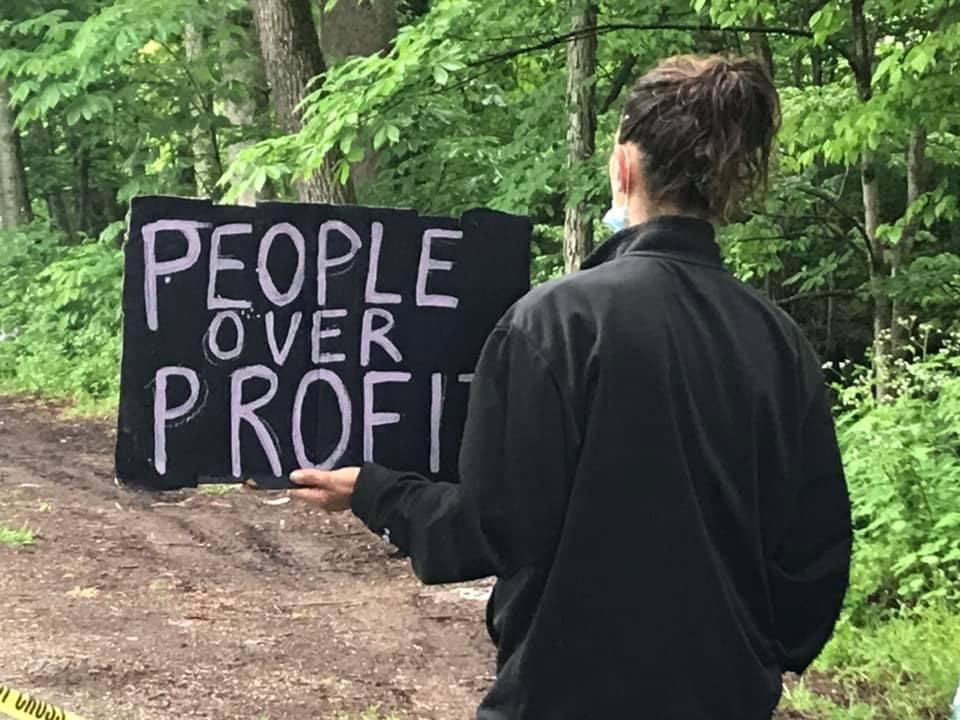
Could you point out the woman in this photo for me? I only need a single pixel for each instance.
(649, 465)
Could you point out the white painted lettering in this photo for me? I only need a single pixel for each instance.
(153, 268)
(346, 418)
(241, 411)
(437, 387)
(428, 263)
(267, 285)
(281, 353)
(325, 262)
(318, 333)
(371, 418)
(370, 335)
(219, 263)
(163, 413)
(213, 335)
(372, 295)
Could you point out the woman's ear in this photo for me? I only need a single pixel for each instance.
(613, 170)
(625, 168)
(622, 179)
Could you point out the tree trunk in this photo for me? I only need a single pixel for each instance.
(816, 67)
(760, 42)
(56, 205)
(207, 168)
(359, 27)
(11, 194)
(242, 111)
(862, 66)
(22, 186)
(81, 198)
(240, 114)
(828, 342)
(581, 127)
(291, 57)
(900, 254)
(877, 273)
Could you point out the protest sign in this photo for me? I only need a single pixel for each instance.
(262, 339)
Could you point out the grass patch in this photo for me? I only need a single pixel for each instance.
(806, 701)
(906, 668)
(94, 409)
(16, 538)
(217, 489)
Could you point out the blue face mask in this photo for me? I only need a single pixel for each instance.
(616, 218)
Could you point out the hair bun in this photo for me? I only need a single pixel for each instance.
(705, 126)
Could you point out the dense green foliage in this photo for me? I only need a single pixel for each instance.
(903, 464)
(466, 108)
(62, 304)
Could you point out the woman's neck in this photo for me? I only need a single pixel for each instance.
(640, 210)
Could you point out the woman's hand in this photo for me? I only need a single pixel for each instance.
(330, 490)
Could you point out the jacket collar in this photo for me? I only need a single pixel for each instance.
(680, 236)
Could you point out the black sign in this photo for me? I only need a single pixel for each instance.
(257, 340)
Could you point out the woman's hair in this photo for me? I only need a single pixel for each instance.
(704, 126)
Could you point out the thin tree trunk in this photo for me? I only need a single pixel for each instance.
(618, 82)
(81, 199)
(816, 76)
(760, 41)
(829, 341)
(358, 27)
(242, 111)
(56, 204)
(581, 126)
(900, 254)
(26, 208)
(291, 57)
(11, 195)
(207, 168)
(862, 66)
(57, 207)
(877, 272)
(240, 114)
(816, 67)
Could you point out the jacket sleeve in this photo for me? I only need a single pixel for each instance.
(809, 571)
(515, 467)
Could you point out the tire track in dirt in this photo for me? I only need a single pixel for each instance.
(181, 605)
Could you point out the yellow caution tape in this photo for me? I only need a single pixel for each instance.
(23, 707)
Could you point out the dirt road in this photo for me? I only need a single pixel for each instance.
(187, 605)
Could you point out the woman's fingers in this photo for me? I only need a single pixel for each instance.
(312, 496)
(331, 490)
(312, 478)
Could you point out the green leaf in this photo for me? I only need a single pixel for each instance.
(919, 58)
(380, 138)
(440, 75)
(356, 155)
